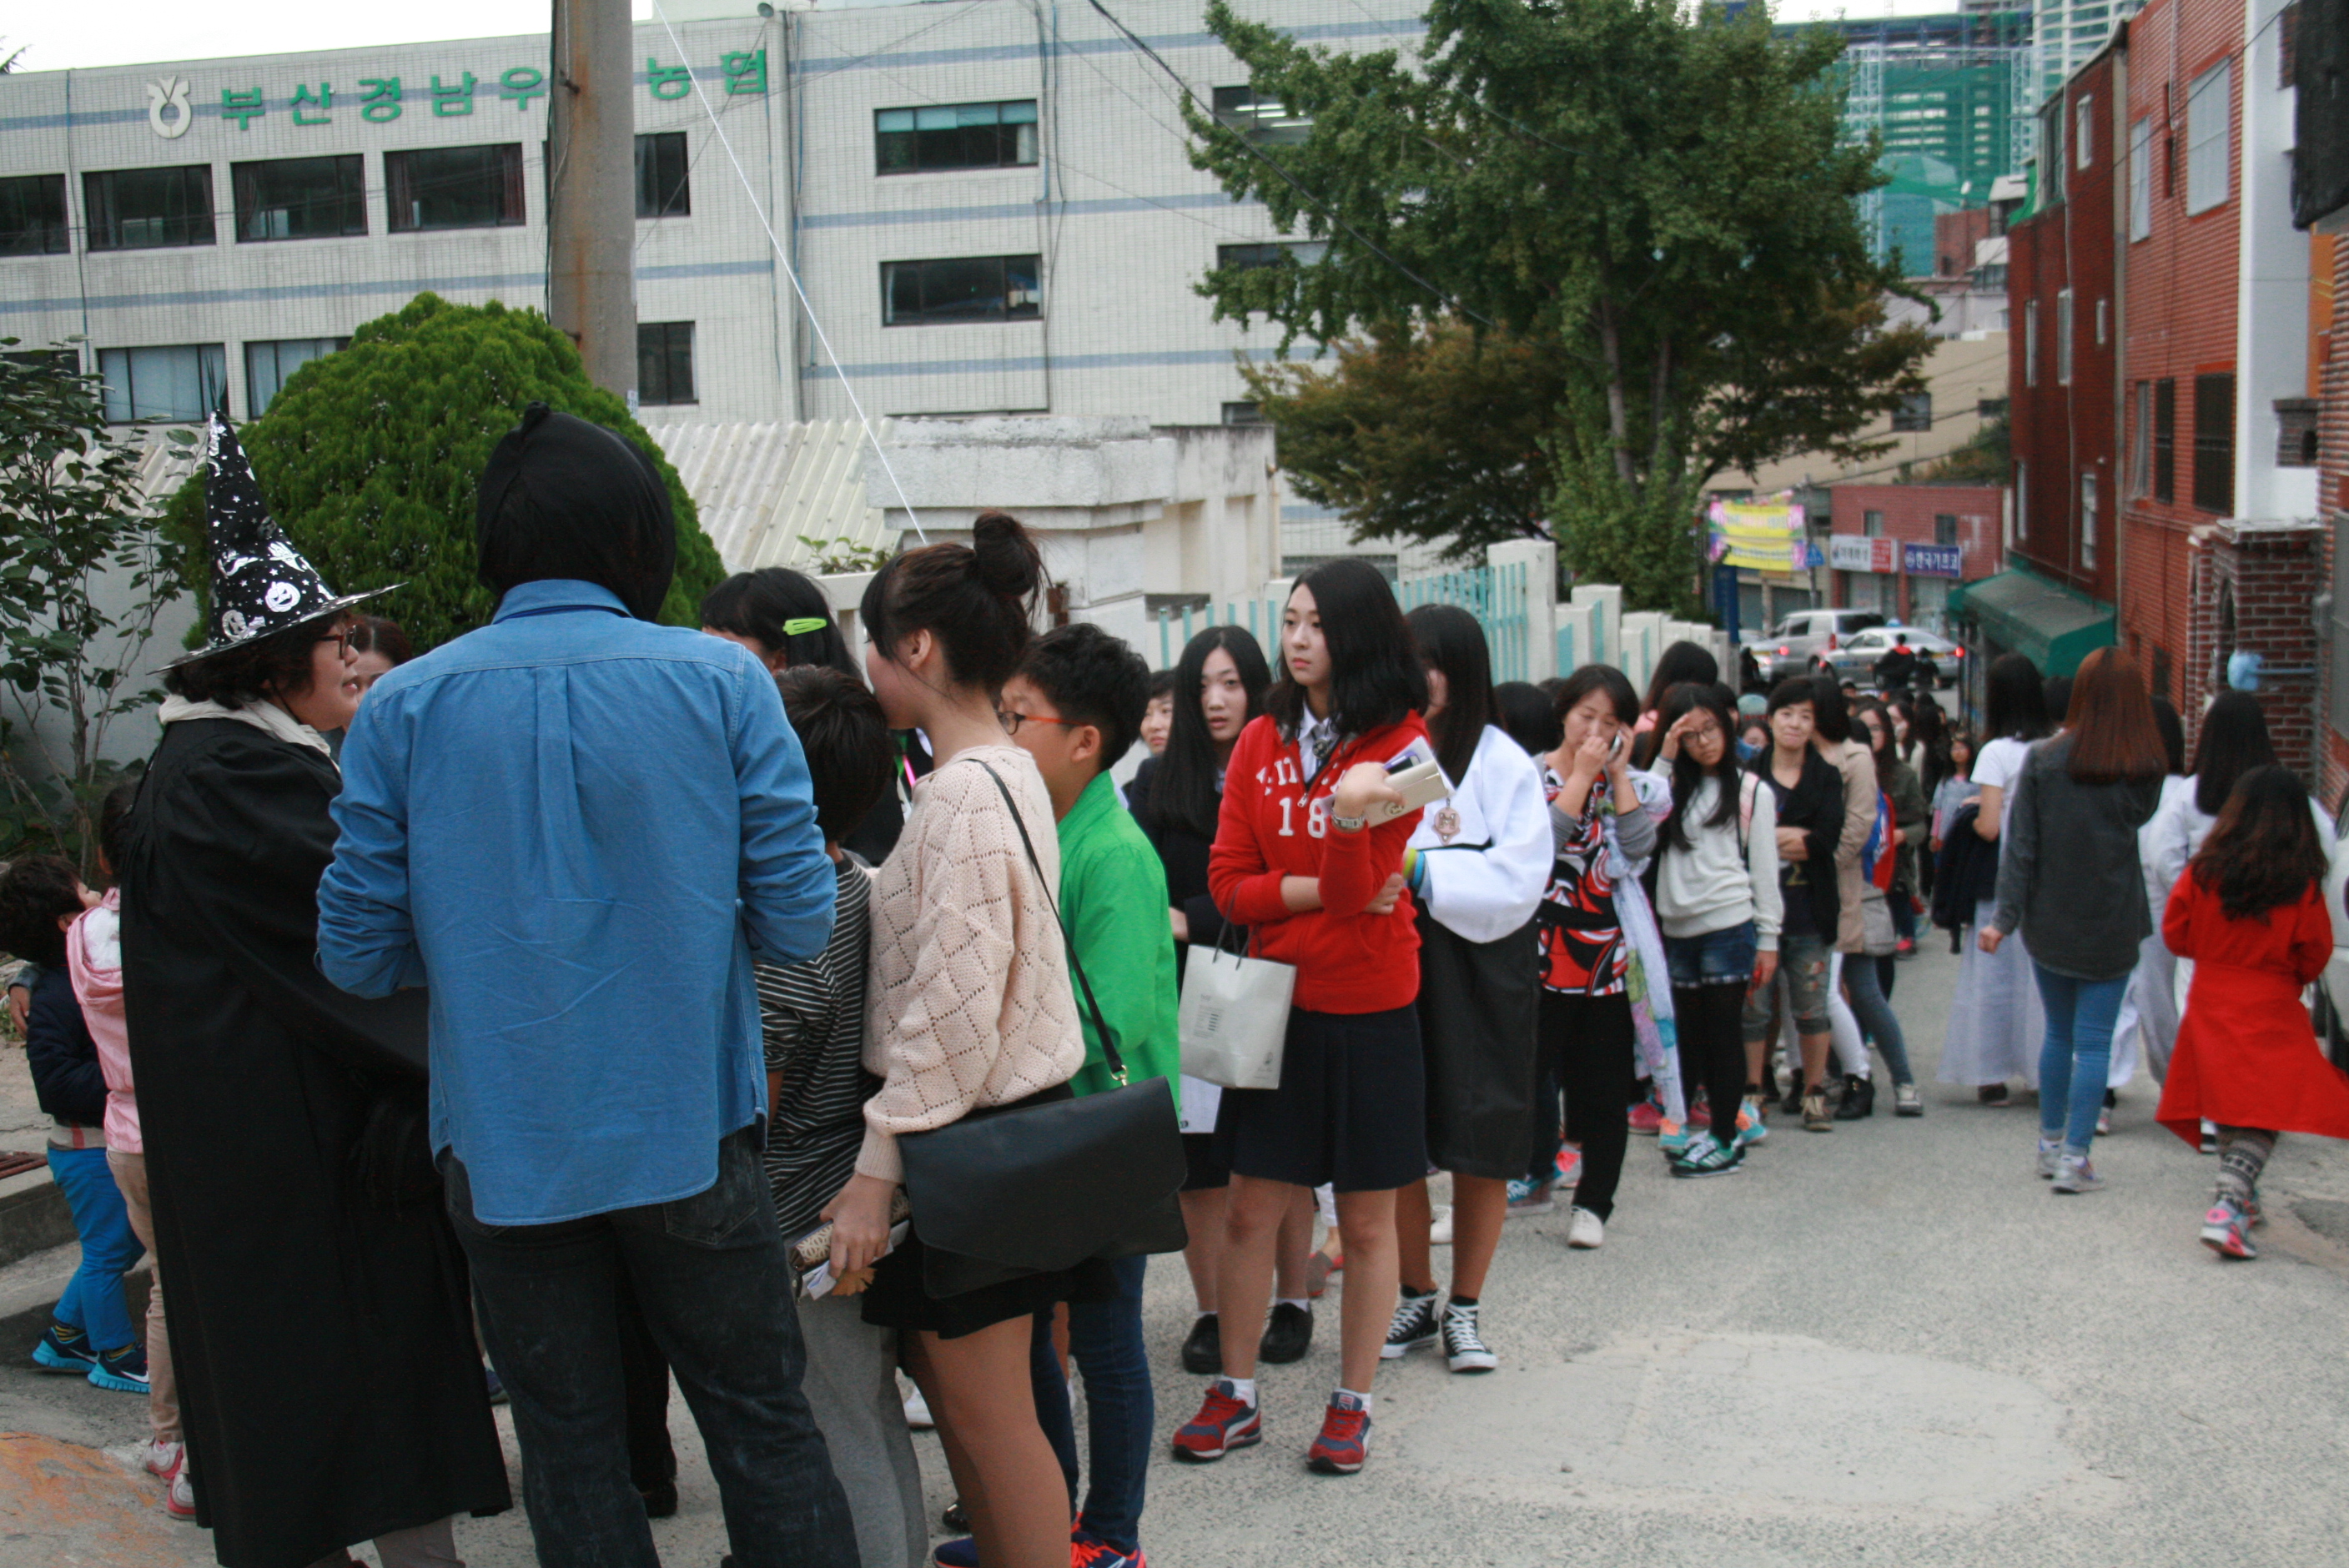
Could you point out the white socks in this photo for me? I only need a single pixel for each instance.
(1365, 1398)
(1294, 1300)
(1244, 1390)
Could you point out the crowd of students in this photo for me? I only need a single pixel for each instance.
(597, 994)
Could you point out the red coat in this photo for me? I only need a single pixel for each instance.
(1274, 825)
(2247, 1055)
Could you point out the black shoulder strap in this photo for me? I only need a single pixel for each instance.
(1101, 1024)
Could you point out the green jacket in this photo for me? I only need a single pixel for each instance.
(1113, 898)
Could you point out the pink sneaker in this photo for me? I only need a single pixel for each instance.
(1569, 1165)
(1700, 1112)
(2227, 1230)
(1647, 1118)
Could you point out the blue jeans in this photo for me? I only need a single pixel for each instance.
(1105, 1342)
(1877, 1020)
(2078, 1055)
(110, 1249)
(711, 1276)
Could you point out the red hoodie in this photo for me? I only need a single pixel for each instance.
(1274, 825)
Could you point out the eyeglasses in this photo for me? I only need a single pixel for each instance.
(342, 641)
(1011, 719)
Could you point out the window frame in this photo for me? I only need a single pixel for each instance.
(2210, 138)
(1033, 136)
(2140, 445)
(514, 200)
(679, 204)
(1914, 413)
(2165, 440)
(2031, 343)
(350, 177)
(1239, 109)
(2214, 452)
(257, 404)
(2064, 326)
(1008, 314)
(211, 366)
(2088, 498)
(55, 233)
(101, 205)
(2084, 130)
(1946, 538)
(664, 355)
(1276, 253)
(2140, 192)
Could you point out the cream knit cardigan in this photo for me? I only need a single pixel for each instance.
(970, 1002)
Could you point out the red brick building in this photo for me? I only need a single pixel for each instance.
(2320, 204)
(1901, 549)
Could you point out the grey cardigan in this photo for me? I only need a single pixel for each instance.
(2067, 867)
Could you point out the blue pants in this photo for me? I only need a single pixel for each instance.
(1105, 1342)
(110, 1249)
(1877, 1019)
(2078, 1055)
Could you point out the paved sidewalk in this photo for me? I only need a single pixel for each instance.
(1889, 1343)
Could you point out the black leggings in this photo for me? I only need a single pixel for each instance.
(1590, 1040)
(1710, 1019)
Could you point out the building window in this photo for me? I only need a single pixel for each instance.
(2214, 443)
(2022, 502)
(33, 215)
(454, 187)
(1246, 258)
(144, 209)
(300, 199)
(2296, 433)
(2160, 679)
(960, 289)
(1915, 412)
(2165, 440)
(1945, 528)
(2087, 522)
(267, 365)
(2140, 447)
(2140, 190)
(665, 361)
(2031, 343)
(2102, 311)
(664, 188)
(1263, 120)
(2063, 338)
(181, 384)
(1244, 414)
(1871, 525)
(955, 136)
(2209, 105)
(2084, 130)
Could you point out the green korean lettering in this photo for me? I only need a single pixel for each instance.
(746, 72)
(382, 99)
(668, 81)
(521, 84)
(458, 99)
(241, 106)
(322, 101)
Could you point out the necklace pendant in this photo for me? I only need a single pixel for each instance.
(1447, 824)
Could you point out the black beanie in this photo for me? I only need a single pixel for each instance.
(563, 497)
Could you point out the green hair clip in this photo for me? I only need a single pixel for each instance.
(800, 624)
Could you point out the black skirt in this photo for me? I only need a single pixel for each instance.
(1479, 1032)
(1349, 1110)
(1206, 1170)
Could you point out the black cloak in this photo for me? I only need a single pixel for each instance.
(322, 1335)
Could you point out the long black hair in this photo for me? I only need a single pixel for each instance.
(2016, 700)
(1526, 713)
(1375, 672)
(2173, 733)
(2264, 850)
(1687, 775)
(1451, 641)
(2234, 741)
(1183, 791)
(766, 605)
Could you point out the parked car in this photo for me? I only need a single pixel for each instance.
(1793, 646)
(1853, 659)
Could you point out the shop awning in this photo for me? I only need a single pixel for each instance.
(2026, 613)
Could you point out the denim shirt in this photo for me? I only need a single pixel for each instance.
(576, 827)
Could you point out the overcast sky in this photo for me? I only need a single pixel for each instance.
(57, 34)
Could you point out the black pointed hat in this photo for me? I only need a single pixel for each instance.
(261, 583)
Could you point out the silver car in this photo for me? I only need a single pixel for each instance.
(1854, 658)
(1793, 646)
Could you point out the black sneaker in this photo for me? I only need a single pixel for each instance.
(1994, 1095)
(1414, 1327)
(1858, 1098)
(1792, 1103)
(1288, 1334)
(1203, 1353)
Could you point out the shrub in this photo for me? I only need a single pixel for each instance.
(368, 458)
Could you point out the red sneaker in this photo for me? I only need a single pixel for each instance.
(1224, 1423)
(1700, 1112)
(1647, 1118)
(1345, 1439)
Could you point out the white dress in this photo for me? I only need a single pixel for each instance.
(1995, 1022)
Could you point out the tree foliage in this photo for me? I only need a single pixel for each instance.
(370, 457)
(85, 570)
(1661, 198)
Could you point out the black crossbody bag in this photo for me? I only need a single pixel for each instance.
(1039, 1187)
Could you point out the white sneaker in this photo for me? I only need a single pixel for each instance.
(1588, 1231)
(1439, 1235)
(2075, 1174)
(2050, 1155)
(163, 1457)
(180, 1503)
(917, 1409)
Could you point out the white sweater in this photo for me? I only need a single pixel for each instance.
(2174, 835)
(1486, 878)
(1714, 884)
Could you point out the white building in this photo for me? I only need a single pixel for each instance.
(990, 208)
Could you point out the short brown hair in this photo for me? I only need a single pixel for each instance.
(2111, 724)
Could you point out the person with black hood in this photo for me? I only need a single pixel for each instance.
(319, 1328)
(576, 826)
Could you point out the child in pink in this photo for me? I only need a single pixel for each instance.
(94, 955)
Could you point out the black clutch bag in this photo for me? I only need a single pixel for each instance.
(1045, 1184)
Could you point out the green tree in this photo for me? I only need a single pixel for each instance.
(368, 458)
(1661, 197)
(85, 570)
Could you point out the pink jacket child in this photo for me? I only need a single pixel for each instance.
(93, 953)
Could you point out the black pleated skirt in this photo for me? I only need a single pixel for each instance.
(1479, 1024)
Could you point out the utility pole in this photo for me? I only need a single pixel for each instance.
(591, 183)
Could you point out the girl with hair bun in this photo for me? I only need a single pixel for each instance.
(968, 1009)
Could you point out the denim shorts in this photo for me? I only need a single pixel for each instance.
(1714, 958)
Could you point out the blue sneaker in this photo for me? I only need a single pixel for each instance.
(960, 1553)
(123, 1370)
(1751, 1128)
(1672, 1137)
(1707, 1156)
(1529, 1196)
(64, 1349)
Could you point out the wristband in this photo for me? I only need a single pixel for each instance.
(1347, 824)
(1414, 870)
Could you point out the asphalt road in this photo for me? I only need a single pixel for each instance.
(1889, 1343)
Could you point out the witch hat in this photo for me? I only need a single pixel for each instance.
(261, 583)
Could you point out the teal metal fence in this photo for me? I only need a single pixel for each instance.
(1497, 595)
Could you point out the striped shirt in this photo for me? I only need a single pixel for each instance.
(812, 1014)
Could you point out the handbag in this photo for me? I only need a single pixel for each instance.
(1044, 1185)
(1234, 1019)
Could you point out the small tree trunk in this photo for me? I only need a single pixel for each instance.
(1618, 412)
